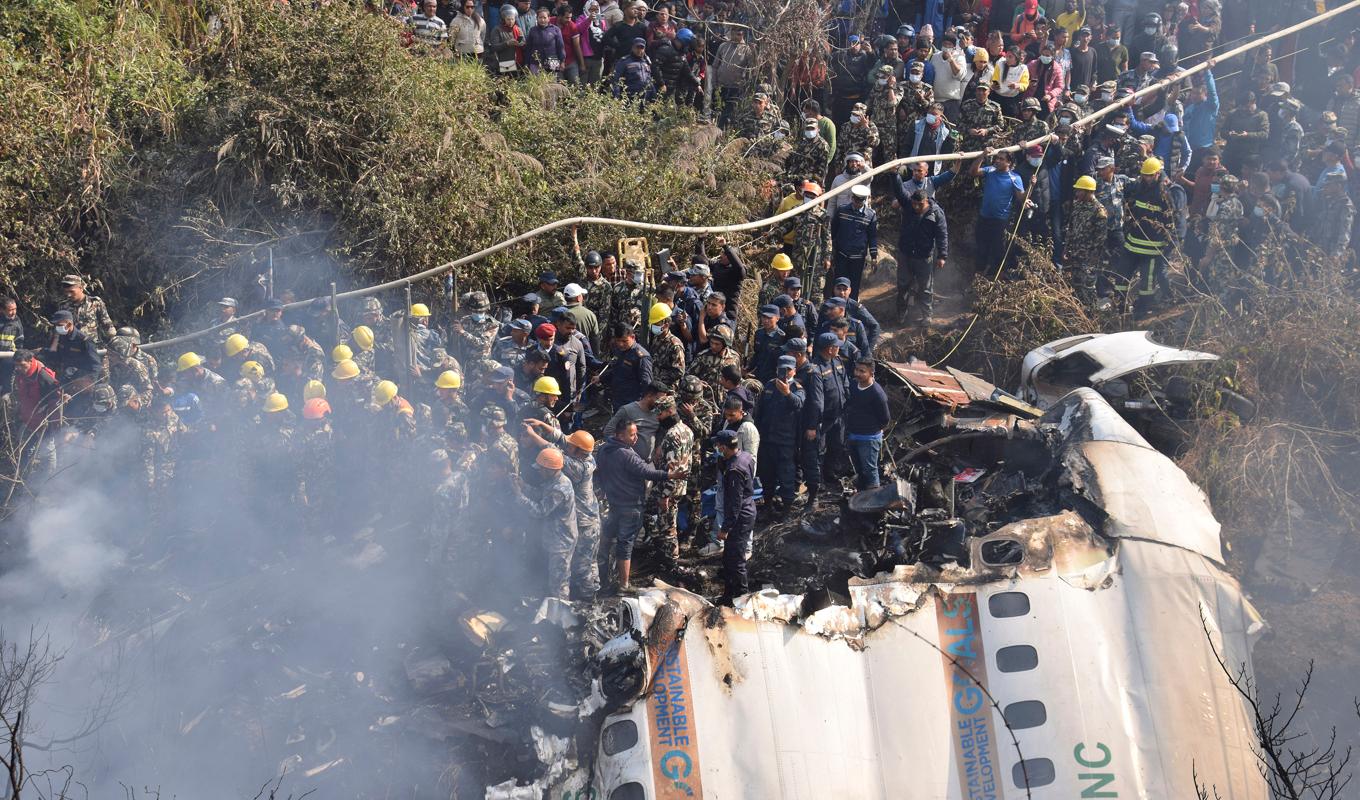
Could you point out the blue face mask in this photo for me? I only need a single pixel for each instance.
(478, 317)
(1258, 212)
(1213, 189)
(655, 329)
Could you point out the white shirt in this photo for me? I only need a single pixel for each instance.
(949, 86)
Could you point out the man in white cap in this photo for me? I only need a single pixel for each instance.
(855, 164)
(586, 322)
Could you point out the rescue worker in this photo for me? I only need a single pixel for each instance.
(631, 368)
(365, 358)
(238, 350)
(72, 355)
(623, 477)
(474, 334)
(980, 118)
(778, 417)
(811, 246)
(737, 472)
(856, 310)
(668, 352)
(708, 365)
(674, 453)
(854, 237)
(1148, 229)
(826, 362)
(1086, 236)
(860, 137)
(579, 467)
(781, 267)
(767, 345)
(882, 107)
(11, 340)
(554, 504)
(90, 315)
(126, 370)
(810, 445)
(449, 409)
(810, 157)
(494, 438)
(630, 296)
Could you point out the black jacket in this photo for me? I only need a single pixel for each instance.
(919, 235)
(623, 475)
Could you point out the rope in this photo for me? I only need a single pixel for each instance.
(704, 230)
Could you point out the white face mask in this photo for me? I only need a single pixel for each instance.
(655, 329)
(1258, 212)
(914, 78)
(1035, 161)
(638, 277)
(1046, 59)
(1079, 98)
(779, 134)
(931, 119)
(855, 118)
(882, 81)
(62, 330)
(809, 134)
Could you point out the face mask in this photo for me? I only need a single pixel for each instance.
(778, 135)
(62, 330)
(1036, 161)
(477, 317)
(638, 277)
(1258, 212)
(1079, 98)
(809, 134)
(1066, 119)
(931, 119)
(655, 329)
(914, 78)
(1106, 97)
(1046, 59)
(855, 119)
(1213, 188)
(882, 81)
(1150, 29)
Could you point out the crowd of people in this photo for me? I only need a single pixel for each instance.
(490, 410)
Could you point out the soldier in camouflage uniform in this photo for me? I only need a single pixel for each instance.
(674, 449)
(1130, 155)
(1225, 213)
(90, 314)
(365, 356)
(161, 432)
(882, 106)
(759, 120)
(494, 437)
(1087, 230)
(599, 291)
(235, 354)
(811, 248)
(980, 118)
(810, 157)
(473, 336)
(698, 412)
(708, 365)
(630, 296)
(916, 99)
(302, 360)
(860, 135)
(125, 370)
(316, 460)
(668, 352)
(451, 416)
(1030, 127)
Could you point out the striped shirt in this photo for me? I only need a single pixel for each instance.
(428, 30)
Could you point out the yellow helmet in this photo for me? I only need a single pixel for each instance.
(235, 343)
(314, 388)
(448, 379)
(252, 370)
(275, 403)
(547, 385)
(1151, 166)
(1085, 182)
(341, 352)
(345, 370)
(363, 336)
(420, 310)
(384, 392)
(188, 361)
(781, 262)
(659, 313)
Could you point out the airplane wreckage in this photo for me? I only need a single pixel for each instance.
(1037, 607)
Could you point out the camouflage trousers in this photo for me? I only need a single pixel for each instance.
(661, 528)
(572, 568)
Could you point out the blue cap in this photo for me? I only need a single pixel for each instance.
(63, 316)
(639, 41)
(548, 277)
(835, 302)
(521, 324)
(503, 373)
(792, 282)
(726, 437)
(273, 303)
(559, 312)
(676, 275)
(1173, 122)
(769, 311)
(852, 38)
(788, 362)
(795, 346)
(843, 282)
(827, 339)
(782, 301)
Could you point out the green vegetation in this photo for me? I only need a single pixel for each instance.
(165, 152)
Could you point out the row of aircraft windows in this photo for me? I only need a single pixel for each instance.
(1031, 772)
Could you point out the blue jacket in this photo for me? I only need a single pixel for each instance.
(542, 44)
(778, 417)
(856, 310)
(739, 488)
(854, 233)
(632, 75)
(623, 475)
(1200, 122)
(834, 385)
(919, 235)
(629, 372)
(766, 348)
(859, 335)
(814, 396)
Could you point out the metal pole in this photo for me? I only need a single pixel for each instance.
(270, 288)
(335, 314)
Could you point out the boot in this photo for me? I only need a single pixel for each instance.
(811, 502)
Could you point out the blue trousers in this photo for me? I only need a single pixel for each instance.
(864, 457)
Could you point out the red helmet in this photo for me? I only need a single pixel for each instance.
(316, 408)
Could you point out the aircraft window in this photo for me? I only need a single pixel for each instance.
(1017, 658)
(634, 791)
(1038, 771)
(1025, 714)
(1002, 553)
(620, 736)
(1008, 604)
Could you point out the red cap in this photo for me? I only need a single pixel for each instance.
(1034, 150)
(545, 330)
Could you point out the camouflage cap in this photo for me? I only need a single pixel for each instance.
(103, 397)
(691, 386)
(125, 393)
(122, 345)
(372, 305)
(665, 402)
(722, 333)
(478, 301)
(494, 414)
